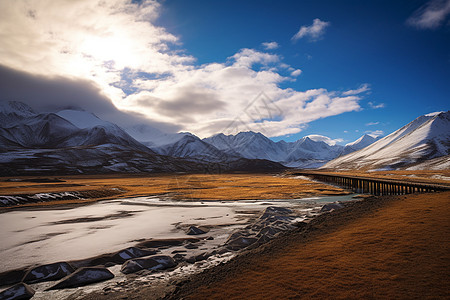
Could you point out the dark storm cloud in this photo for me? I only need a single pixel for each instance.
(52, 93)
(192, 101)
(55, 93)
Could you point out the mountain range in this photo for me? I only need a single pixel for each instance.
(74, 141)
(78, 142)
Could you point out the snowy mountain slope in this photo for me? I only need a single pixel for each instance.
(190, 146)
(306, 148)
(27, 129)
(183, 144)
(438, 163)
(311, 151)
(153, 137)
(82, 119)
(249, 144)
(35, 131)
(95, 131)
(425, 138)
(12, 112)
(360, 143)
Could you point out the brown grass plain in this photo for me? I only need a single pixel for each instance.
(202, 187)
(396, 247)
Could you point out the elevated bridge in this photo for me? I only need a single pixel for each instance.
(374, 186)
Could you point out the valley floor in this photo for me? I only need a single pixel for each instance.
(204, 187)
(394, 247)
(391, 247)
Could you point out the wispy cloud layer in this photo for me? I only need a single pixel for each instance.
(431, 15)
(142, 68)
(321, 138)
(270, 45)
(375, 133)
(314, 32)
(376, 106)
(362, 89)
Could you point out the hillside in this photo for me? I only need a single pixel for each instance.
(427, 138)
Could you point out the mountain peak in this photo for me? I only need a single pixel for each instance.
(434, 114)
(16, 107)
(82, 119)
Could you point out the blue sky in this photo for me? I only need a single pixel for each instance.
(407, 68)
(333, 68)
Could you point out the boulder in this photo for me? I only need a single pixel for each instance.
(18, 291)
(12, 277)
(48, 272)
(191, 246)
(274, 214)
(196, 231)
(83, 276)
(331, 207)
(277, 210)
(131, 252)
(199, 257)
(240, 243)
(108, 260)
(152, 263)
(166, 243)
(268, 232)
(179, 257)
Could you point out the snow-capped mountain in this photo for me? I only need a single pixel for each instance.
(68, 128)
(249, 144)
(13, 111)
(360, 143)
(425, 138)
(308, 152)
(153, 137)
(76, 141)
(183, 144)
(190, 146)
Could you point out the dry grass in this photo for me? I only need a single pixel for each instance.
(400, 251)
(182, 187)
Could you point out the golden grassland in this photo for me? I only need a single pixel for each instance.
(398, 251)
(230, 186)
(180, 186)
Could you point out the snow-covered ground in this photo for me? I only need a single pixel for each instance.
(45, 236)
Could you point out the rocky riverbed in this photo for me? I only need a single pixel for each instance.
(186, 238)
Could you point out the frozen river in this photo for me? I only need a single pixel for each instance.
(40, 236)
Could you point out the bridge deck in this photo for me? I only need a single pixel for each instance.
(375, 186)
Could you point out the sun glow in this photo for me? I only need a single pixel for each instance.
(112, 48)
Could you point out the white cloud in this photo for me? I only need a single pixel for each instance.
(270, 45)
(375, 133)
(314, 32)
(372, 123)
(376, 106)
(362, 89)
(431, 15)
(321, 138)
(295, 73)
(142, 68)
